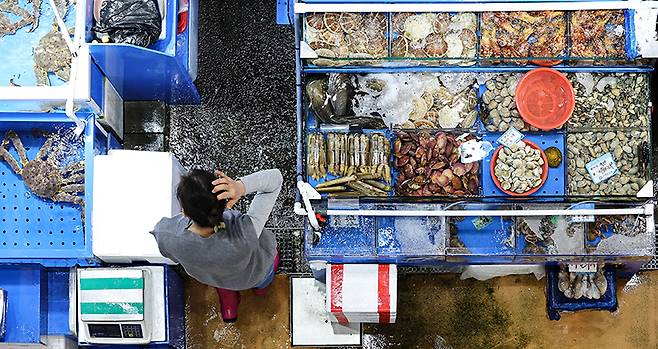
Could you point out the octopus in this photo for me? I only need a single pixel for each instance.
(11, 7)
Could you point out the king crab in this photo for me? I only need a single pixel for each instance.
(7, 27)
(42, 175)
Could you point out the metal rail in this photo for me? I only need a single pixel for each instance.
(301, 7)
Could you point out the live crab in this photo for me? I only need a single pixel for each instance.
(11, 7)
(42, 175)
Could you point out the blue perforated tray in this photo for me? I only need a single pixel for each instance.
(556, 302)
(40, 230)
(555, 184)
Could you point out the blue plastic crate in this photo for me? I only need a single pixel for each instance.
(555, 185)
(27, 309)
(490, 240)
(556, 302)
(163, 71)
(36, 230)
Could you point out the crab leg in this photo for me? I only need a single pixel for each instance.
(4, 154)
(74, 199)
(73, 188)
(73, 168)
(74, 179)
(20, 149)
(45, 148)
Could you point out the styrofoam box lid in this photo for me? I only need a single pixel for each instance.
(133, 190)
(360, 288)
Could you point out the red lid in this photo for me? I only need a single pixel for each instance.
(545, 98)
(544, 167)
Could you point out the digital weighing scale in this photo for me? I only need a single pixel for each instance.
(120, 305)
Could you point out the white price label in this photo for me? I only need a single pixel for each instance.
(583, 268)
(481, 222)
(602, 168)
(511, 136)
(472, 151)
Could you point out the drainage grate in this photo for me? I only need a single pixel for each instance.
(291, 251)
(653, 264)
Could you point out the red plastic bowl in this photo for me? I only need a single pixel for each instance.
(545, 98)
(544, 174)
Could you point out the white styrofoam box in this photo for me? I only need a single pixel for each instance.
(133, 190)
(310, 326)
(362, 293)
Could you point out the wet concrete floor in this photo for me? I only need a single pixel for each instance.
(440, 311)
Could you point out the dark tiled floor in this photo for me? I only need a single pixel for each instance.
(246, 121)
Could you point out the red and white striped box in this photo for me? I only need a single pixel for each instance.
(362, 293)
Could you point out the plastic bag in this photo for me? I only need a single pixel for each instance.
(136, 22)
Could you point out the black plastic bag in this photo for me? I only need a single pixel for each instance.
(136, 22)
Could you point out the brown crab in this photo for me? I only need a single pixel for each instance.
(8, 27)
(52, 55)
(42, 175)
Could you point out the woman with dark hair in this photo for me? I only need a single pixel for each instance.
(218, 246)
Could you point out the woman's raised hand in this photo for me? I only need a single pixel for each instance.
(228, 189)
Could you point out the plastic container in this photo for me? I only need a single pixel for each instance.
(545, 98)
(544, 174)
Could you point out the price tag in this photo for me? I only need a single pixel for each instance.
(582, 219)
(583, 268)
(481, 222)
(511, 136)
(602, 168)
(472, 151)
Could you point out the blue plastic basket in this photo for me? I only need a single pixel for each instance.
(39, 230)
(556, 302)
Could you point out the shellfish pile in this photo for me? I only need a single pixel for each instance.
(346, 35)
(500, 109)
(629, 151)
(598, 34)
(539, 34)
(434, 35)
(519, 168)
(578, 285)
(346, 154)
(610, 100)
(411, 101)
(429, 165)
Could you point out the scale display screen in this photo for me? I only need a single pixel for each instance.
(115, 330)
(105, 330)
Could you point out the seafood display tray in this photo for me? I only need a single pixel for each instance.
(428, 240)
(555, 182)
(390, 60)
(556, 302)
(35, 230)
(379, 239)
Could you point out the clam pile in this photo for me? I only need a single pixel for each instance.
(610, 100)
(499, 106)
(429, 165)
(434, 35)
(579, 285)
(519, 168)
(598, 34)
(541, 34)
(629, 151)
(346, 35)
